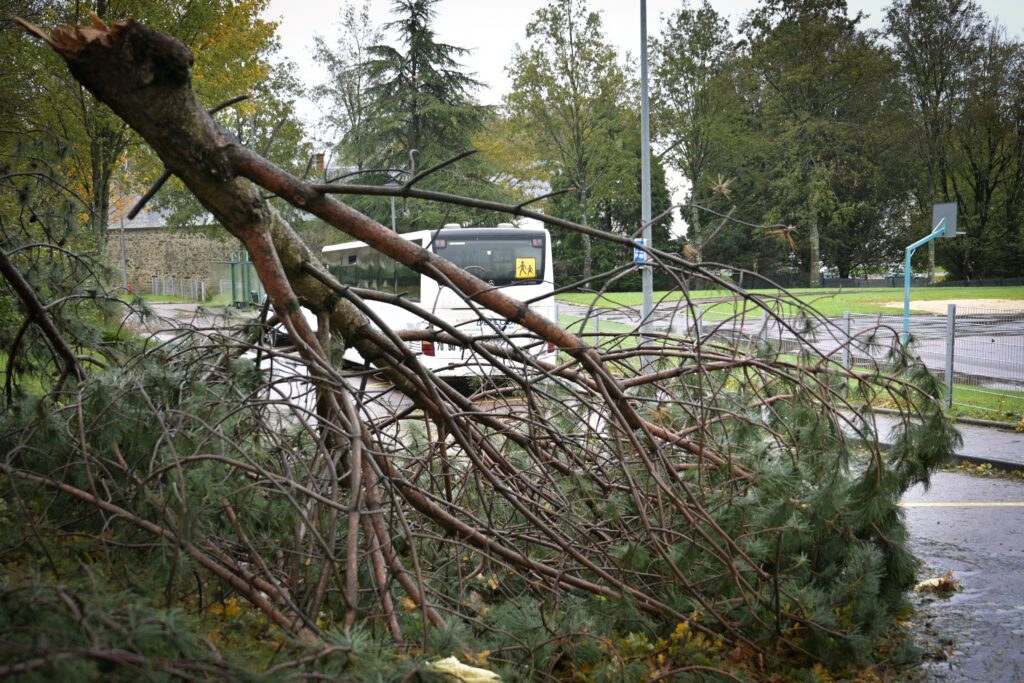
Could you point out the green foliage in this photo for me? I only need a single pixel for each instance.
(231, 44)
(830, 132)
(813, 121)
(41, 235)
(405, 106)
(690, 101)
(965, 106)
(575, 103)
(73, 632)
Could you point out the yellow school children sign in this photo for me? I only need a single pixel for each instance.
(526, 268)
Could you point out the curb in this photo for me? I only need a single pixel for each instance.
(978, 422)
(1000, 465)
(961, 458)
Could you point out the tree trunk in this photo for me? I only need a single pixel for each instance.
(99, 201)
(815, 260)
(697, 241)
(588, 261)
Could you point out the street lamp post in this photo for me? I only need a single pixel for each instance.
(392, 184)
(646, 274)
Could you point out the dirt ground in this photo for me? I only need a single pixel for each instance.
(939, 307)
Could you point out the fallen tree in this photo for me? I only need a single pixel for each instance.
(698, 494)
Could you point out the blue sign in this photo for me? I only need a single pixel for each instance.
(639, 255)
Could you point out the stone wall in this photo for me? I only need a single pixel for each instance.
(181, 253)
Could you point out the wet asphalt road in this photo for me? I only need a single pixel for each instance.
(973, 526)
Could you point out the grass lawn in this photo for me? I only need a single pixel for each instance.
(829, 302)
(988, 404)
(613, 335)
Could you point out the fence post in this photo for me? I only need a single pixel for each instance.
(152, 286)
(847, 350)
(202, 289)
(847, 341)
(950, 341)
(597, 330)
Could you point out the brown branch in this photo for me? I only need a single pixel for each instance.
(239, 583)
(36, 312)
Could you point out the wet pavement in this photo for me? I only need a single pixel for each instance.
(973, 526)
(1004, 447)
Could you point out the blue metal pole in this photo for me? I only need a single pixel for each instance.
(939, 230)
(906, 294)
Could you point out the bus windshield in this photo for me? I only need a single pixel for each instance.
(498, 259)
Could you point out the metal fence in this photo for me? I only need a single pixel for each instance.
(184, 288)
(980, 351)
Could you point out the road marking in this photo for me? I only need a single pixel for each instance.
(963, 505)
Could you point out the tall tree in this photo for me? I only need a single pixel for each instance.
(232, 45)
(567, 89)
(935, 42)
(347, 89)
(691, 57)
(831, 125)
(985, 160)
(421, 112)
(422, 98)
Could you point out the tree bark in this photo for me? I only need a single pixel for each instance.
(815, 260)
(588, 261)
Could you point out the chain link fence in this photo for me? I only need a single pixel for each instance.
(182, 288)
(977, 352)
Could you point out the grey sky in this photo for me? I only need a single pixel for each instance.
(491, 28)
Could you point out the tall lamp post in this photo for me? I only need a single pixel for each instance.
(392, 184)
(646, 274)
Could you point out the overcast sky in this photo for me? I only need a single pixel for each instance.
(492, 28)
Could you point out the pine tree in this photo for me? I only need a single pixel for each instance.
(421, 97)
(418, 111)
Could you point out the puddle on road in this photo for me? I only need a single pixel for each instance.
(971, 635)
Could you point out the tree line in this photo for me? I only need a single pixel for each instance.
(848, 134)
(827, 140)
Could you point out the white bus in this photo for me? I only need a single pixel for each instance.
(516, 260)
